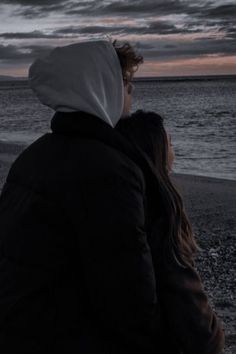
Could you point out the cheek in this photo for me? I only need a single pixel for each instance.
(125, 98)
(171, 155)
(127, 101)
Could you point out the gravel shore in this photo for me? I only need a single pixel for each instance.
(211, 207)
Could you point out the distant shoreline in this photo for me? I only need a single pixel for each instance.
(10, 150)
(186, 78)
(20, 80)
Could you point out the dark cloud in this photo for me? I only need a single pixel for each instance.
(25, 54)
(152, 28)
(157, 50)
(170, 46)
(9, 52)
(38, 11)
(32, 2)
(133, 8)
(38, 50)
(144, 45)
(193, 49)
(31, 8)
(224, 11)
(88, 30)
(160, 27)
(27, 35)
(231, 33)
(221, 17)
(156, 7)
(207, 11)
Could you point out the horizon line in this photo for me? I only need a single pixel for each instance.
(9, 77)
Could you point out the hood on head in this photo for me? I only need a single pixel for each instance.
(85, 76)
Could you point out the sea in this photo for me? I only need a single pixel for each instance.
(198, 112)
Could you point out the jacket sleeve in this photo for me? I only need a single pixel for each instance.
(190, 317)
(116, 258)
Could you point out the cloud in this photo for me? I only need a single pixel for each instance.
(27, 35)
(221, 16)
(139, 8)
(204, 12)
(26, 53)
(40, 9)
(32, 2)
(143, 45)
(190, 49)
(156, 27)
(132, 8)
(9, 52)
(155, 49)
(31, 12)
(35, 9)
(222, 12)
(231, 32)
(88, 30)
(160, 29)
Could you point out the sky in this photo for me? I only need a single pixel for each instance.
(175, 37)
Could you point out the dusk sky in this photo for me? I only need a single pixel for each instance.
(182, 37)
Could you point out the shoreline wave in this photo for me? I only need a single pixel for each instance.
(15, 148)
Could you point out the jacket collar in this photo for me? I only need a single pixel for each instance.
(86, 125)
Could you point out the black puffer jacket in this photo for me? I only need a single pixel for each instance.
(76, 268)
(78, 272)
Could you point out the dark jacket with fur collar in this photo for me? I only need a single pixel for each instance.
(78, 269)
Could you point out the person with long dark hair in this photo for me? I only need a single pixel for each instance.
(189, 324)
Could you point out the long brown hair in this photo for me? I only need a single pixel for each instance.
(145, 130)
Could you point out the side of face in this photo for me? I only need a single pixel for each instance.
(171, 154)
(128, 89)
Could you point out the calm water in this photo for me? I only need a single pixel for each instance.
(199, 114)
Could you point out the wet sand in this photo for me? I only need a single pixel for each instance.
(211, 206)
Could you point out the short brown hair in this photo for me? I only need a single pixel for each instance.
(129, 59)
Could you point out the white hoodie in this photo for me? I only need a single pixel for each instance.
(85, 76)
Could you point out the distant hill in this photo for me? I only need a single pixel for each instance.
(184, 78)
(147, 78)
(11, 78)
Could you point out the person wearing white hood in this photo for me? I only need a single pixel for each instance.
(76, 271)
(86, 77)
